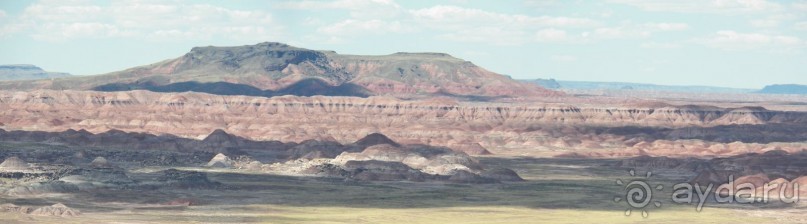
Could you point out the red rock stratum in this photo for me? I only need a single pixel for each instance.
(465, 126)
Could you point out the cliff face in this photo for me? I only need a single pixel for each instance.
(276, 66)
(346, 119)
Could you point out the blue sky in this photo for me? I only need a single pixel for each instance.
(732, 43)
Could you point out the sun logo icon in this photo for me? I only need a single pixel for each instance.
(638, 194)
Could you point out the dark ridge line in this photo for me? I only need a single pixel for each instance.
(305, 87)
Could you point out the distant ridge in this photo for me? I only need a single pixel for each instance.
(785, 89)
(306, 87)
(27, 72)
(558, 84)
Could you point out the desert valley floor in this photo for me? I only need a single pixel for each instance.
(528, 170)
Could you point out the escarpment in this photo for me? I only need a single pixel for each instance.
(466, 126)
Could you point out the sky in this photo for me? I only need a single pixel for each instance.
(729, 43)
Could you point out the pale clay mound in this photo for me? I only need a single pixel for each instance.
(220, 161)
(14, 163)
(441, 164)
(57, 209)
(100, 162)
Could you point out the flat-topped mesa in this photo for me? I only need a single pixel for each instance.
(22, 67)
(27, 72)
(271, 66)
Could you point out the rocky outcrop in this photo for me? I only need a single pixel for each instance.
(466, 177)
(501, 174)
(312, 149)
(374, 170)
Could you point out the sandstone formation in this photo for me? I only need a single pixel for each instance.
(465, 126)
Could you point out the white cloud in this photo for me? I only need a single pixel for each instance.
(659, 45)
(666, 26)
(800, 6)
(551, 35)
(621, 32)
(452, 23)
(2, 14)
(764, 23)
(801, 26)
(452, 15)
(732, 40)
(704, 6)
(563, 58)
(628, 31)
(487, 34)
(351, 27)
(80, 29)
(476, 25)
(540, 3)
(339, 4)
(773, 20)
(376, 17)
(368, 9)
(152, 20)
